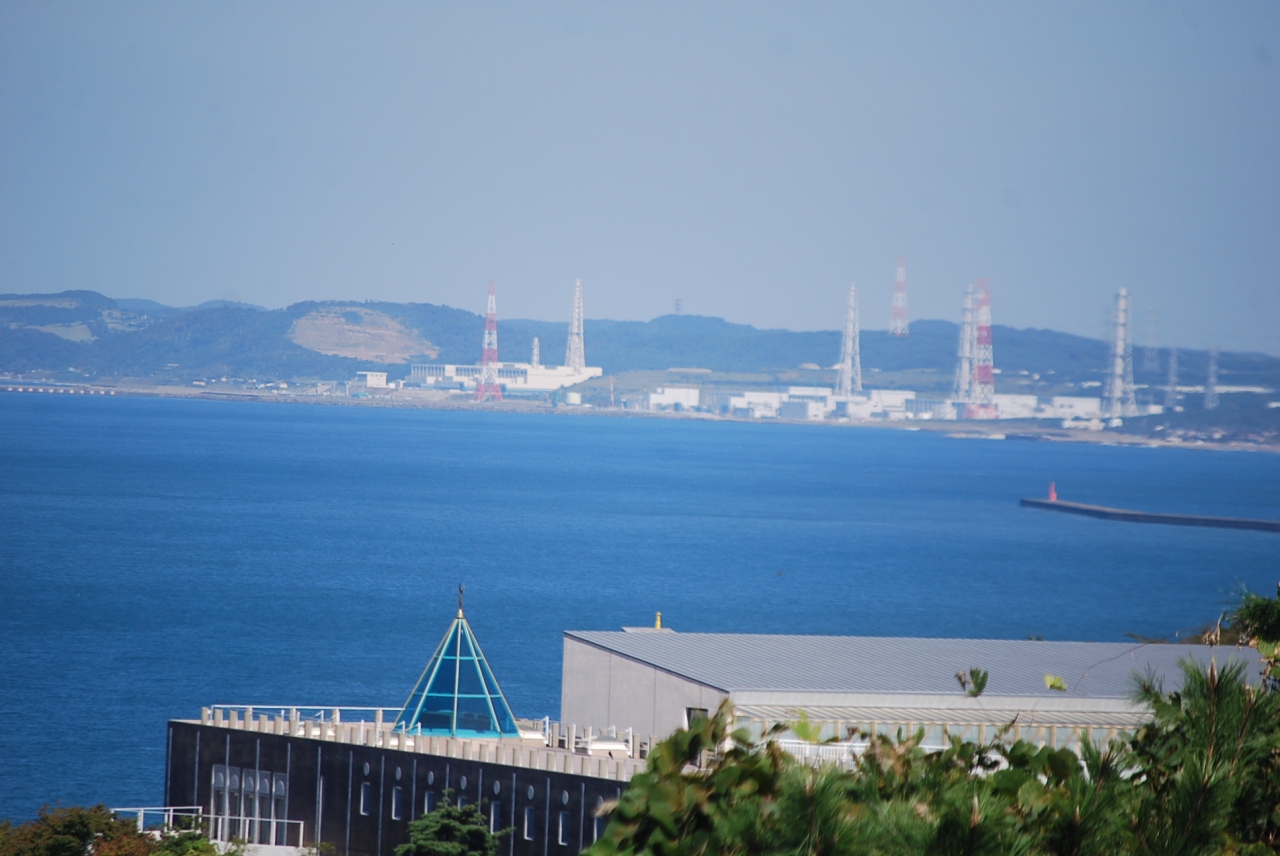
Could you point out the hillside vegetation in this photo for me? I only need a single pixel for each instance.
(79, 334)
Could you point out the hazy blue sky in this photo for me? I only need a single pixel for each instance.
(751, 159)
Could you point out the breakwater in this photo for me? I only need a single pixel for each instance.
(1129, 516)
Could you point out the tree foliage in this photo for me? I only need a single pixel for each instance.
(95, 831)
(450, 830)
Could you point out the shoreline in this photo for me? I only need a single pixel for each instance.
(1015, 430)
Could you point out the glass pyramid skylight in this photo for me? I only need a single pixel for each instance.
(457, 693)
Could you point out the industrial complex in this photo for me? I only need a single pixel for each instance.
(973, 394)
(491, 378)
(283, 777)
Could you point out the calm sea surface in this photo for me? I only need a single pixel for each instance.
(160, 555)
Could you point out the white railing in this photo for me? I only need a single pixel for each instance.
(256, 830)
(163, 818)
(304, 712)
(325, 723)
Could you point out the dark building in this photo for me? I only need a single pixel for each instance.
(354, 778)
(290, 790)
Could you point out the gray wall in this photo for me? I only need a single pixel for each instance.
(601, 688)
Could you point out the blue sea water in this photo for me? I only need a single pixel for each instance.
(160, 555)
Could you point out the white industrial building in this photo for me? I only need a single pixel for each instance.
(815, 403)
(1017, 406)
(888, 404)
(653, 681)
(514, 377)
(757, 405)
(374, 380)
(1076, 407)
(673, 398)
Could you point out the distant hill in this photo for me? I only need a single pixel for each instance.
(86, 333)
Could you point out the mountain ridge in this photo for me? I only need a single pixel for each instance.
(90, 334)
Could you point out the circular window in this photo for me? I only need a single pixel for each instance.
(366, 768)
(463, 784)
(497, 787)
(397, 774)
(431, 777)
(564, 797)
(531, 792)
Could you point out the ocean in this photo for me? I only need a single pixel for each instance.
(157, 555)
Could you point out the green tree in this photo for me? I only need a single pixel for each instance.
(707, 789)
(450, 831)
(75, 831)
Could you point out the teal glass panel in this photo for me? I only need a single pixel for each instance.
(490, 683)
(506, 722)
(474, 715)
(436, 718)
(443, 683)
(469, 682)
(466, 649)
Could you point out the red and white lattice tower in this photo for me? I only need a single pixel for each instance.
(898, 316)
(487, 387)
(982, 386)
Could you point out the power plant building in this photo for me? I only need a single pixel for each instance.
(514, 377)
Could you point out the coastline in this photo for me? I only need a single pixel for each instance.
(414, 399)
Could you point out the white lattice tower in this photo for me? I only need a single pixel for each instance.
(536, 361)
(1129, 401)
(982, 382)
(1119, 391)
(1171, 382)
(849, 380)
(488, 387)
(1211, 382)
(964, 351)
(898, 325)
(575, 353)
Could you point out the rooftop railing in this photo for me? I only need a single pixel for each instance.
(544, 744)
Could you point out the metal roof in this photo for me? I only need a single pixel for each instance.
(997, 714)
(739, 663)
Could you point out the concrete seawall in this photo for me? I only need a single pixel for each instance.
(1147, 517)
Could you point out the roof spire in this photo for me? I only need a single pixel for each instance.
(457, 692)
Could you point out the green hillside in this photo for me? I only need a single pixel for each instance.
(83, 333)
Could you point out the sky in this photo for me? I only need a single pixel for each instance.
(748, 159)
